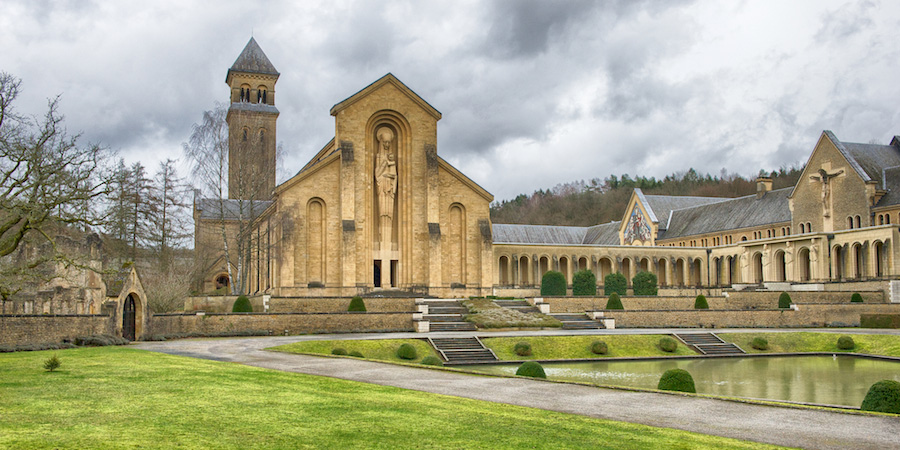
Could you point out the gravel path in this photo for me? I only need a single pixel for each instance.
(781, 426)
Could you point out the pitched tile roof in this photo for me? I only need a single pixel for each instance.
(662, 205)
(868, 159)
(253, 60)
(730, 214)
(604, 234)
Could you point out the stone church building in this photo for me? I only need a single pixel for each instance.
(378, 209)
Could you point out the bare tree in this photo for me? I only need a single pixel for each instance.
(47, 182)
(167, 227)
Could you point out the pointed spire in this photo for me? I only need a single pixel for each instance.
(253, 60)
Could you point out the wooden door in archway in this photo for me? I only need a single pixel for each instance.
(128, 328)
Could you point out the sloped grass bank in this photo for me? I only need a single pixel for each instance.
(872, 344)
(484, 313)
(376, 349)
(579, 347)
(124, 398)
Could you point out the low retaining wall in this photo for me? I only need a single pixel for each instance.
(339, 304)
(45, 328)
(771, 297)
(281, 323)
(807, 315)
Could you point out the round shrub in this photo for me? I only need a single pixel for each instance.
(339, 351)
(759, 343)
(677, 380)
(668, 344)
(432, 360)
(883, 396)
(645, 283)
(784, 301)
(614, 302)
(845, 343)
(242, 304)
(406, 351)
(615, 282)
(599, 348)
(856, 298)
(531, 369)
(584, 282)
(522, 349)
(356, 354)
(357, 305)
(553, 283)
(700, 302)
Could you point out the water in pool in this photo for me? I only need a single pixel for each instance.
(839, 380)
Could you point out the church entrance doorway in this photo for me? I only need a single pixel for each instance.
(128, 315)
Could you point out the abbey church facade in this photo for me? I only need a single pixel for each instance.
(378, 209)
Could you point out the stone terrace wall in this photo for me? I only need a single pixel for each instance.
(771, 298)
(35, 329)
(808, 315)
(339, 304)
(281, 323)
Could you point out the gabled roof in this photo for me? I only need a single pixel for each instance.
(389, 78)
(730, 214)
(868, 159)
(661, 205)
(230, 209)
(252, 60)
(890, 178)
(604, 234)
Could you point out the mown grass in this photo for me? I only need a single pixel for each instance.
(377, 349)
(104, 398)
(484, 313)
(801, 342)
(578, 347)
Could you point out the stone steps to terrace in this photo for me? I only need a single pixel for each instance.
(709, 344)
(463, 350)
(577, 322)
(447, 315)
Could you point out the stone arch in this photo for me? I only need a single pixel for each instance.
(662, 272)
(880, 258)
(543, 267)
(456, 239)
(316, 241)
(803, 265)
(564, 268)
(503, 270)
(644, 265)
(222, 280)
(837, 256)
(583, 263)
(680, 270)
(780, 266)
(696, 272)
(859, 260)
(756, 268)
(627, 270)
(717, 267)
(605, 266)
(524, 271)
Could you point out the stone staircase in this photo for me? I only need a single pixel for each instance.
(463, 350)
(447, 315)
(709, 344)
(518, 305)
(577, 322)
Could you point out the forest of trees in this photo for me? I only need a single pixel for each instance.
(597, 201)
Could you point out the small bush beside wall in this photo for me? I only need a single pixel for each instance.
(784, 301)
(357, 305)
(553, 283)
(645, 283)
(759, 343)
(615, 283)
(700, 302)
(856, 298)
(614, 302)
(242, 304)
(584, 282)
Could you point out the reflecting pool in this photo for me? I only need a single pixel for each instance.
(839, 380)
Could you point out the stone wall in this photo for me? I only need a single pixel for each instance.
(339, 304)
(35, 329)
(836, 296)
(281, 323)
(808, 315)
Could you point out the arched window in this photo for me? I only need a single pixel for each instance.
(262, 94)
(857, 222)
(262, 135)
(245, 134)
(850, 222)
(887, 219)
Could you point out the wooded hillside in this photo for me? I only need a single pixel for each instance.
(581, 203)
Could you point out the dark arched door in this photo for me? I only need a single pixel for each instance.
(128, 319)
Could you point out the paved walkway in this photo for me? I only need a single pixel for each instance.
(780, 426)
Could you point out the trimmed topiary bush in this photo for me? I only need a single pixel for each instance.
(531, 369)
(432, 360)
(845, 343)
(553, 283)
(406, 351)
(339, 351)
(677, 380)
(759, 343)
(615, 282)
(700, 302)
(883, 396)
(52, 363)
(614, 302)
(356, 354)
(784, 301)
(357, 305)
(856, 298)
(584, 282)
(668, 344)
(522, 349)
(645, 283)
(242, 304)
(599, 348)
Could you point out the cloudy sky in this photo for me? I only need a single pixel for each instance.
(533, 93)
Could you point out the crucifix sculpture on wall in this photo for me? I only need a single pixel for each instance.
(825, 178)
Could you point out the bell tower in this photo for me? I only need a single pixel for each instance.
(251, 125)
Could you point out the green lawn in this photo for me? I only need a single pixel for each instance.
(577, 347)
(873, 344)
(377, 349)
(115, 397)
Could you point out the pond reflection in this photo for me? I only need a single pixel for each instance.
(840, 380)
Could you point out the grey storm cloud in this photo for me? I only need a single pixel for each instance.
(533, 93)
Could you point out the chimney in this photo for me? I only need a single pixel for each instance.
(763, 185)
